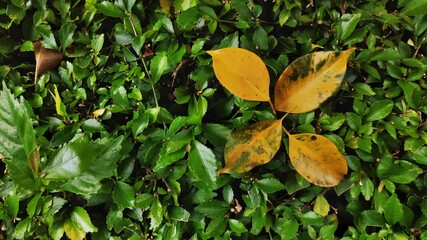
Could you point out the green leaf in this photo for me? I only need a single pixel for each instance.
(387, 55)
(260, 38)
(216, 133)
(403, 172)
(11, 203)
(371, 218)
(354, 121)
(367, 188)
(202, 163)
(66, 34)
(286, 228)
(393, 210)
(321, 205)
(158, 66)
(80, 218)
(270, 185)
(379, 110)
(123, 195)
(347, 25)
(213, 209)
(83, 184)
(32, 205)
(17, 138)
(236, 226)
(155, 214)
(109, 9)
(180, 214)
(70, 161)
(415, 7)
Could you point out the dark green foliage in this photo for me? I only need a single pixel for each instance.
(130, 147)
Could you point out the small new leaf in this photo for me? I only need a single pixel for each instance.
(317, 159)
(242, 72)
(252, 146)
(309, 81)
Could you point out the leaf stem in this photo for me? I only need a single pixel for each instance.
(272, 107)
(286, 131)
(151, 82)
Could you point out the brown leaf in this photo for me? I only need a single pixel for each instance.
(46, 59)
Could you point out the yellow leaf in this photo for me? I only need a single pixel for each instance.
(317, 159)
(310, 80)
(60, 107)
(72, 231)
(46, 59)
(166, 5)
(321, 205)
(98, 112)
(242, 72)
(252, 146)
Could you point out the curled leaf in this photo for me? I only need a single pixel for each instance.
(317, 159)
(46, 59)
(242, 72)
(252, 146)
(310, 80)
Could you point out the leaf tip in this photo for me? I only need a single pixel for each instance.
(223, 170)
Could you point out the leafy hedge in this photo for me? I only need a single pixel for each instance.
(123, 140)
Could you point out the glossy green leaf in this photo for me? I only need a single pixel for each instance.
(347, 25)
(123, 195)
(17, 138)
(80, 218)
(158, 66)
(270, 185)
(202, 162)
(213, 209)
(393, 211)
(252, 146)
(179, 214)
(70, 161)
(109, 9)
(415, 7)
(379, 110)
(155, 214)
(286, 228)
(237, 226)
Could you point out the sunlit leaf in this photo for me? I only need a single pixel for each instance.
(60, 107)
(317, 159)
(72, 231)
(46, 59)
(252, 146)
(242, 72)
(166, 5)
(321, 205)
(310, 80)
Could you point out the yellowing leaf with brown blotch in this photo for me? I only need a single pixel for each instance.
(46, 59)
(242, 72)
(252, 146)
(317, 159)
(310, 80)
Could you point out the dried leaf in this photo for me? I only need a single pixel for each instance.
(252, 146)
(317, 159)
(242, 72)
(46, 59)
(310, 80)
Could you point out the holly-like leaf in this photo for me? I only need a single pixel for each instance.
(317, 159)
(252, 146)
(46, 59)
(309, 81)
(242, 72)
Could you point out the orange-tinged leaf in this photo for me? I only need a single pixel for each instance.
(46, 59)
(252, 146)
(310, 80)
(242, 72)
(317, 159)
